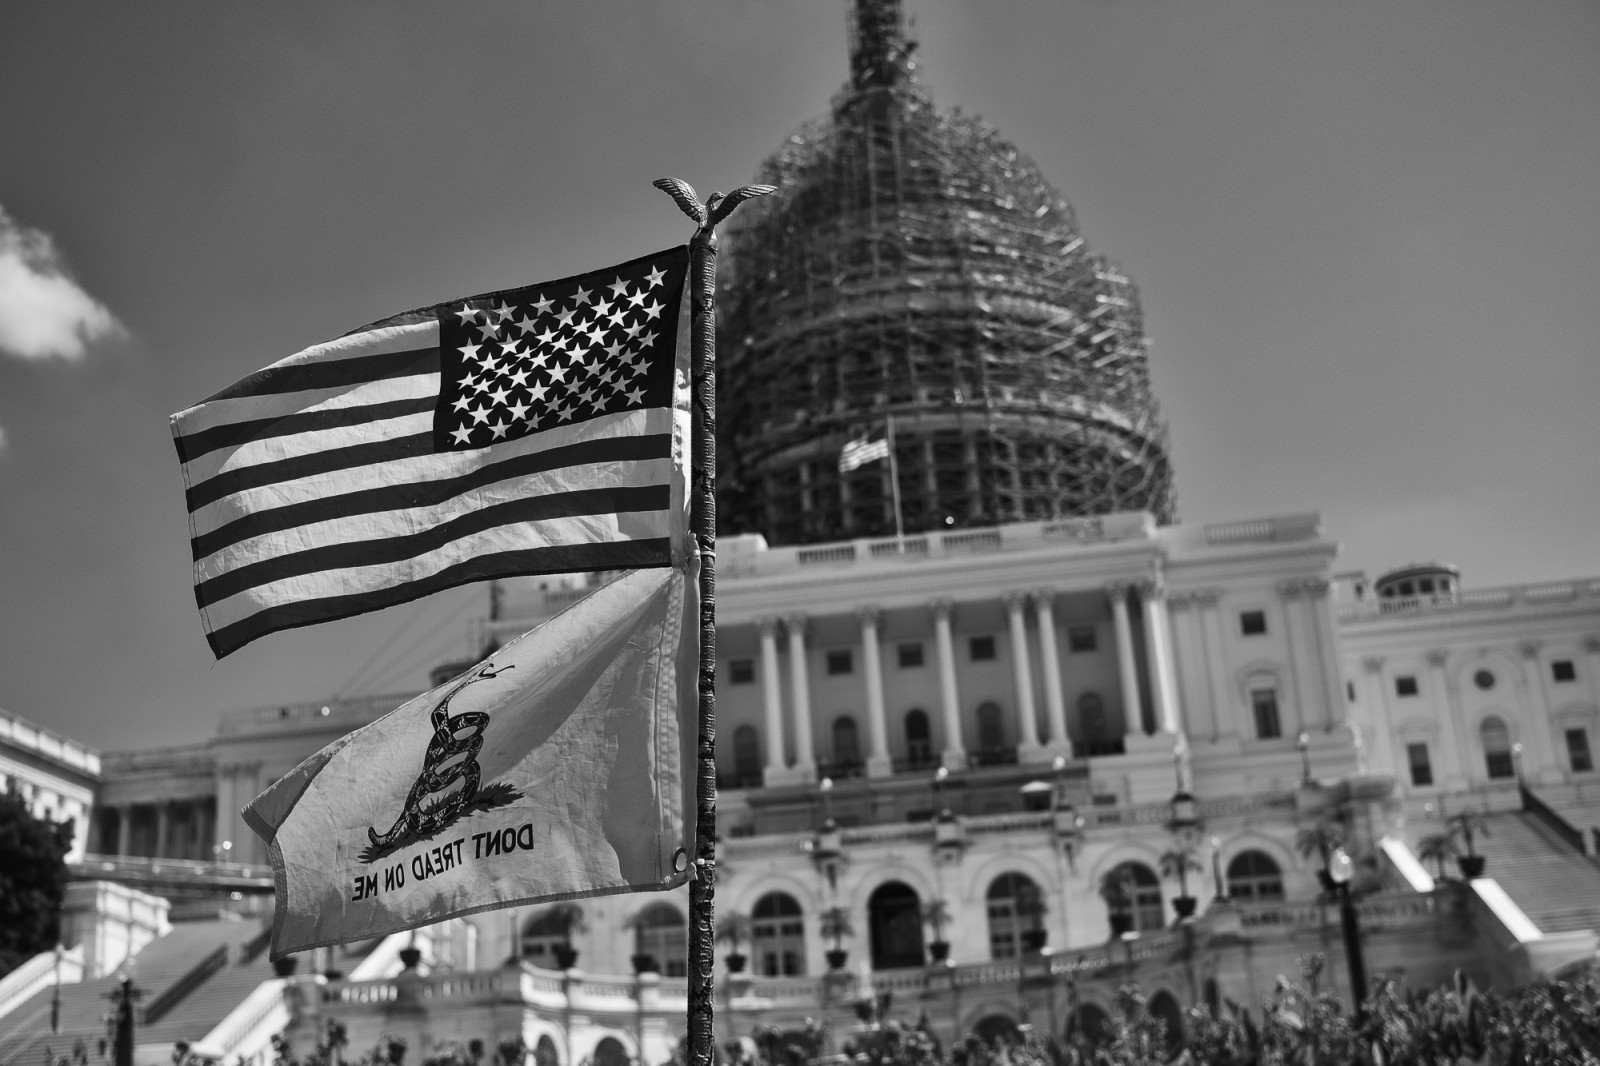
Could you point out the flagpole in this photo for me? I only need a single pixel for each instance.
(894, 486)
(703, 528)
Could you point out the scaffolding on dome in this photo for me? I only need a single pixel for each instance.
(916, 264)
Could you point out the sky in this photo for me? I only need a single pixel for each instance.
(1367, 236)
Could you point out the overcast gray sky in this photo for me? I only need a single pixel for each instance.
(1367, 236)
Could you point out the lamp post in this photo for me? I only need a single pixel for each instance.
(826, 788)
(1216, 868)
(1516, 758)
(1340, 871)
(938, 789)
(1304, 744)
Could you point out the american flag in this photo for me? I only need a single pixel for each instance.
(860, 451)
(532, 430)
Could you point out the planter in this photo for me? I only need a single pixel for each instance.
(645, 964)
(284, 967)
(836, 958)
(1034, 939)
(735, 962)
(1121, 923)
(1471, 866)
(409, 957)
(1185, 906)
(939, 949)
(566, 956)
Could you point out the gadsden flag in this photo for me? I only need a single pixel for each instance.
(551, 769)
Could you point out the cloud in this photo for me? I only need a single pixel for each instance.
(44, 314)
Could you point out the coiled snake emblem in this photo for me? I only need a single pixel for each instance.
(451, 762)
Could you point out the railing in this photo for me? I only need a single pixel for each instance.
(39, 972)
(1504, 598)
(229, 874)
(1558, 825)
(1284, 527)
(173, 994)
(993, 757)
(249, 1025)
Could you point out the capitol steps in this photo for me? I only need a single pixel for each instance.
(1558, 888)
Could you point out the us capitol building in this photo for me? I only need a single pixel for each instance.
(998, 733)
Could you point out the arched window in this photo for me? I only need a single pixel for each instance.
(1496, 748)
(544, 1053)
(1089, 1023)
(997, 1031)
(778, 936)
(746, 757)
(610, 1052)
(895, 915)
(1253, 875)
(919, 743)
(1164, 1005)
(1013, 903)
(1144, 896)
(659, 931)
(541, 934)
(846, 747)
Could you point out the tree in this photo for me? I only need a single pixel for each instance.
(1437, 848)
(1178, 863)
(836, 925)
(733, 929)
(1321, 839)
(1467, 825)
(936, 912)
(33, 879)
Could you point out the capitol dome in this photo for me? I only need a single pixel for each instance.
(915, 267)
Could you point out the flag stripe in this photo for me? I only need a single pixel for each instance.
(395, 549)
(431, 466)
(259, 522)
(240, 433)
(554, 559)
(326, 373)
(276, 449)
(299, 466)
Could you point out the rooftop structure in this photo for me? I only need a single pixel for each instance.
(917, 266)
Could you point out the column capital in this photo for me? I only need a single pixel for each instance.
(1438, 657)
(767, 625)
(796, 624)
(1291, 589)
(1206, 597)
(869, 614)
(1530, 648)
(941, 609)
(1316, 588)
(1014, 599)
(1151, 589)
(1373, 664)
(1180, 601)
(1118, 590)
(1045, 599)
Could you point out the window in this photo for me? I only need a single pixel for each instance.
(1081, 638)
(660, 932)
(1484, 679)
(919, 745)
(741, 671)
(991, 732)
(910, 656)
(1264, 704)
(1578, 751)
(540, 937)
(1145, 891)
(846, 745)
(981, 648)
(1252, 623)
(1563, 670)
(1421, 768)
(1013, 905)
(746, 757)
(1253, 875)
(841, 661)
(1496, 748)
(778, 936)
(1405, 685)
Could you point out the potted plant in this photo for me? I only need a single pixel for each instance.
(1116, 888)
(569, 919)
(836, 925)
(285, 966)
(935, 913)
(1467, 825)
(1438, 848)
(734, 929)
(1322, 838)
(1178, 863)
(1031, 905)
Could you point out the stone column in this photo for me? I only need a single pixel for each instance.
(1223, 712)
(163, 828)
(805, 760)
(955, 752)
(119, 830)
(1326, 635)
(772, 699)
(1028, 747)
(1127, 668)
(1385, 755)
(1158, 638)
(879, 764)
(1302, 665)
(1050, 663)
(1454, 767)
(1539, 727)
(1189, 662)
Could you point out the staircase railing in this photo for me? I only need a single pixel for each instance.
(1558, 825)
(170, 996)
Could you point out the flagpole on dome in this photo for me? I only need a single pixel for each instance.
(894, 486)
(703, 529)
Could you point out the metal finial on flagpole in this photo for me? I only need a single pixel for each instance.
(703, 527)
